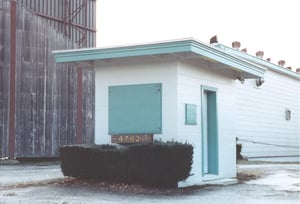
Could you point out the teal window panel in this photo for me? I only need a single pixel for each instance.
(135, 109)
(190, 114)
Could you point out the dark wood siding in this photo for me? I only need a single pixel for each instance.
(46, 92)
(74, 18)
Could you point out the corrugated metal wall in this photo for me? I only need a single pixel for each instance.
(4, 75)
(74, 18)
(46, 112)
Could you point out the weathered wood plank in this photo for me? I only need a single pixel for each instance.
(4, 74)
(46, 93)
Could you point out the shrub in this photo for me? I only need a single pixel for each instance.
(155, 164)
(159, 163)
(86, 161)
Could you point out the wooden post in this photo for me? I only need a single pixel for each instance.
(12, 77)
(79, 107)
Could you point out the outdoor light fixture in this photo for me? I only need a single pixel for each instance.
(259, 81)
(288, 114)
(241, 79)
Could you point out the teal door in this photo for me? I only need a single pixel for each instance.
(209, 131)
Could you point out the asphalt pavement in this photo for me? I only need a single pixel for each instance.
(261, 183)
(29, 172)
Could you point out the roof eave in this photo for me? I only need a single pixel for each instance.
(259, 61)
(229, 60)
(187, 45)
(119, 52)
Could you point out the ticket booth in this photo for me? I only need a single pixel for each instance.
(180, 90)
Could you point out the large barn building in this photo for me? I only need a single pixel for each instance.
(44, 105)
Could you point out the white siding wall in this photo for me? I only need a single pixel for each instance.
(190, 78)
(261, 115)
(136, 71)
(181, 82)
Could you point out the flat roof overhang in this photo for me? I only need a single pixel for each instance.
(258, 61)
(184, 48)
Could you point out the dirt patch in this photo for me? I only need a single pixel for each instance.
(118, 188)
(243, 175)
(38, 183)
(122, 188)
(251, 174)
(133, 189)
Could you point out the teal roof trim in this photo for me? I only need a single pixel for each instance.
(225, 58)
(119, 52)
(171, 47)
(257, 60)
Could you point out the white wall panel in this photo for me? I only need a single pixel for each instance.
(181, 84)
(136, 71)
(261, 116)
(191, 76)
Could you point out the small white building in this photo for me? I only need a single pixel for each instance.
(180, 90)
(268, 111)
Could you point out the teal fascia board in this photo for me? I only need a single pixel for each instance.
(172, 47)
(257, 60)
(227, 59)
(120, 52)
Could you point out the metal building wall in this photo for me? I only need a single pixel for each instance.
(42, 104)
(4, 75)
(74, 18)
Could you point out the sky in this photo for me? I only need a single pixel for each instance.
(272, 26)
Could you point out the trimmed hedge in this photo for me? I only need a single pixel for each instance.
(154, 164)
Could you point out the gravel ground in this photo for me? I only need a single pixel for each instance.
(258, 183)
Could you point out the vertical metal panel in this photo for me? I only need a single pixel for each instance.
(56, 13)
(79, 107)
(12, 78)
(4, 75)
(46, 112)
(88, 106)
